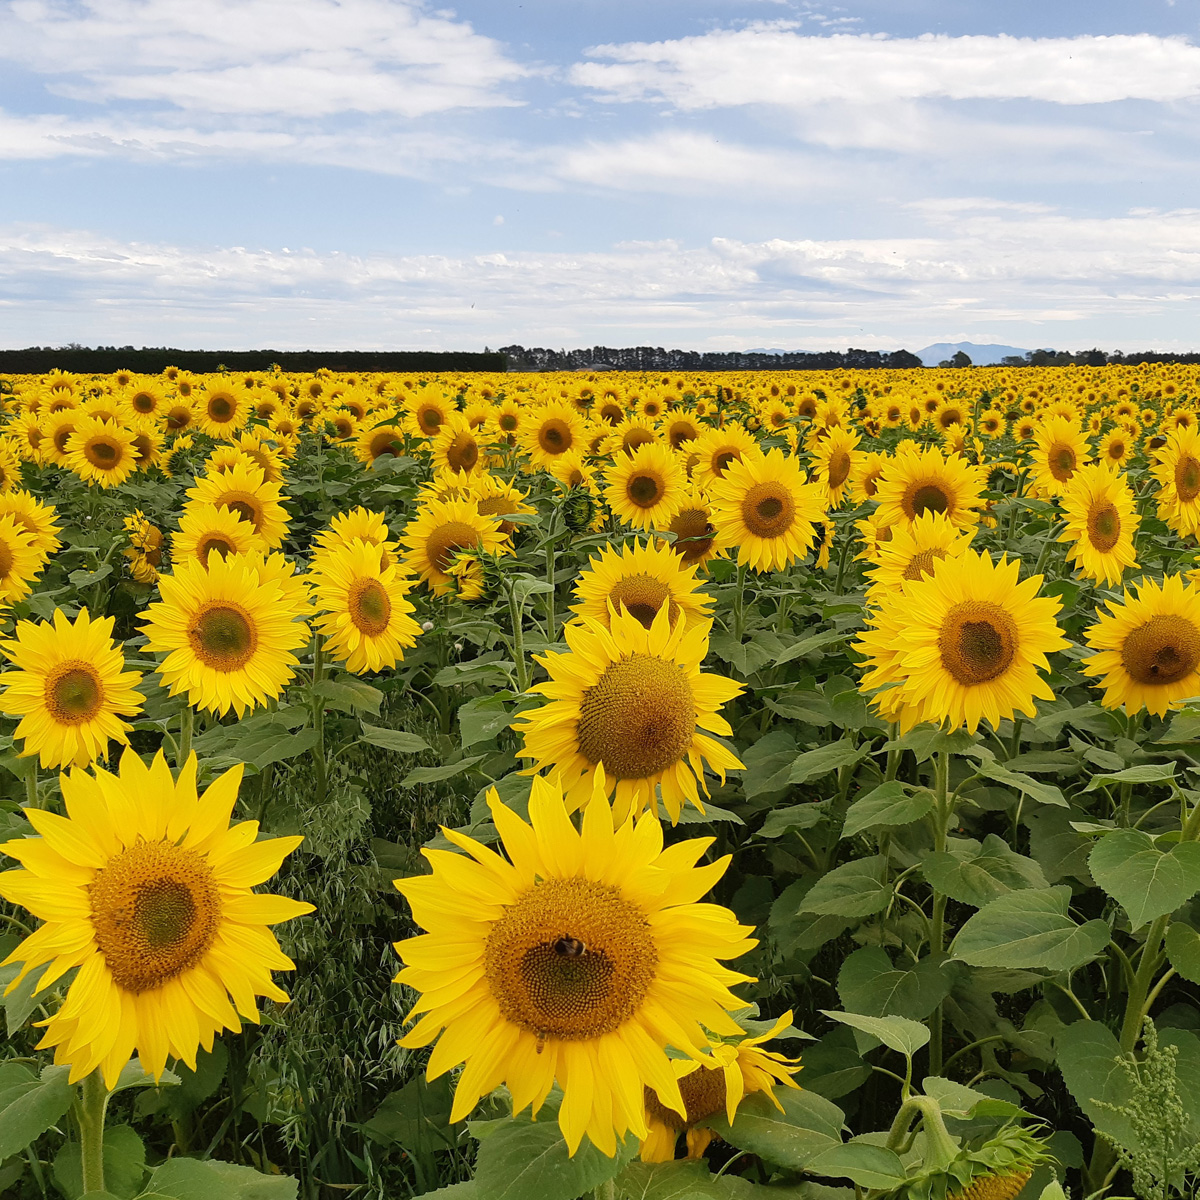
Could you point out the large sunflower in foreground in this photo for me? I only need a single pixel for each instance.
(631, 705)
(368, 618)
(642, 577)
(146, 889)
(1101, 517)
(245, 489)
(576, 960)
(1178, 473)
(922, 481)
(763, 506)
(645, 488)
(1148, 647)
(70, 689)
(968, 643)
(228, 633)
(439, 531)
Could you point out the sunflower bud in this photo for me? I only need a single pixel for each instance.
(579, 509)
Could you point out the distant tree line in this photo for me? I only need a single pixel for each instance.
(655, 358)
(1093, 358)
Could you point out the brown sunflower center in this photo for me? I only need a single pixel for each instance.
(1164, 650)
(144, 402)
(73, 693)
(722, 459)
(926, 496)
(1104, 526)
(1187, 478)
(223, 636)
(220, 408)
(614, 414)
(385, 441)
(370, 608)
(645, 488)
(463, 453)
(571, 959)
(245, 505)
(703, 1093)
(155, 909)
(768, 509)
(681, 432)
(7, 559)
(978, 641)
(179, 417)
(209, 542)
(508, 422)
(643, 596)
(446, 540)
(638, 718)
(923, 562)
(1061, 461)
(839, 468)
(693, 534)
(554, 436)
(101, 452)
(635, 438)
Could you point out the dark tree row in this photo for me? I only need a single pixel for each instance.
(655, 358)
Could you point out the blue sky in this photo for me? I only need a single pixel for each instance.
(703, 173)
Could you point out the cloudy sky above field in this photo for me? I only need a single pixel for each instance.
(716, 174)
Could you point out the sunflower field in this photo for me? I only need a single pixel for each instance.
(534, 787)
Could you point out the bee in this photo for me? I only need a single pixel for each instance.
(569, 947)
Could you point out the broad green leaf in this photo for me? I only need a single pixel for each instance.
(1043, 793)
(191, 1179)
(897, 1033)
(866, 1165)
(436, 774)
(1030, 929)
(833, 1066)
(889, 805)
(1146, 773)
(813, 764)
(1087, 1054)
(348, 694)
(124, 1164)
(974, 873)
(416, 1117)
(869, 983)
(1183, 949)
(958, 1100)
(1144, 880)
(29, 1105)
(399, 740)
(809, 645)
(528, 1160)
(855, 889)
(808, 1125)
(682, 1180)
(482, 719)
(795, 816)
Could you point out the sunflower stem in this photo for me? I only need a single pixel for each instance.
(606, 1191)
(89, 1114)
(31, 785)
(942, 813)
(841, 575)
(516, 617)
(551, 627)
(185, 735)
(739, 603)
(318, 719)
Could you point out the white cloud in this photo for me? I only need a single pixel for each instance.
(774, 65)
(303, 58)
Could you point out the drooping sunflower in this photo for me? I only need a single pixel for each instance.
(1060, 449)
(763, 506)
(228, 633)
(368, 619)
(1102, 519)
(205, 529)
(737, 1069)
(642, 577)
(456, 447)
(550, 430)
(577, 959)
(20, 562)
(716, 449)
(1178, 472)
(36, 518)
(70, 689)
(645, 489)
(145, 549)
(100, 451)
(145, 887)
(834, 459)
(245, 490)
(1148, 648)
(914, 551)
(439, 531)
(695, 534)
(927, 481)
(969, 642)
(632, 705)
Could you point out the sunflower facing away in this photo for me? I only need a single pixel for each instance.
(631, 704)
(70, 689)
(1148, 648)
(245, 489)
(368, 619)
(763, 506)
(966, 643)
(441, 529)
(642, 578)
(228, 633)
(922, 481)
(576, 960)
(1178, 473)
(1102, 519)
(146, 888)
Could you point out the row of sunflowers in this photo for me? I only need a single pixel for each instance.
(450, 662)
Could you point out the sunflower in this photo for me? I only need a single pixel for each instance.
(865, 475)
(100, 451)
(20, 562)
(427, 412)
(577, 959)
(179, 415)
(10, 467)
(275, 569)
(551, 430)
(245, 490)
(645, 489)
(680, 429)
(1148, 648)
(147, 890)
(642, 578)
(991, 423)
(263, 453)
(145, 549)
(222, 410)
(456, 447)
(631, 433)
(914, 551)
(695, 534)
(505, 422)
(738, 1069)
(383, 439)
(145, 400)
(205, 529)
(1102, 519)
(69, 688)
(439, 531)
(919, 481)
(630, 704)
(834, 459)
(26, 434)
(572, 471)
(368, 620)
(716, 449)
(1178, 472)
(968, 642)
(358, 525)
(495, 498)
(763, 505)
(1117, 447)
(1060, 449)
(228, 634)
(35, 518)
(147, 442)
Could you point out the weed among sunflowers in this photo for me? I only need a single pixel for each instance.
(718, 786)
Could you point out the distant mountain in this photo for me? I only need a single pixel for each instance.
(981, 356)
(766, 350)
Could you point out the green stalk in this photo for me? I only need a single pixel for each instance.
(516, 617)
(31, 785)
(937, 927)
(739, 603)
(551, 620)
(841, 575)
(89, 1114)
(318, 718)
(185, 735)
